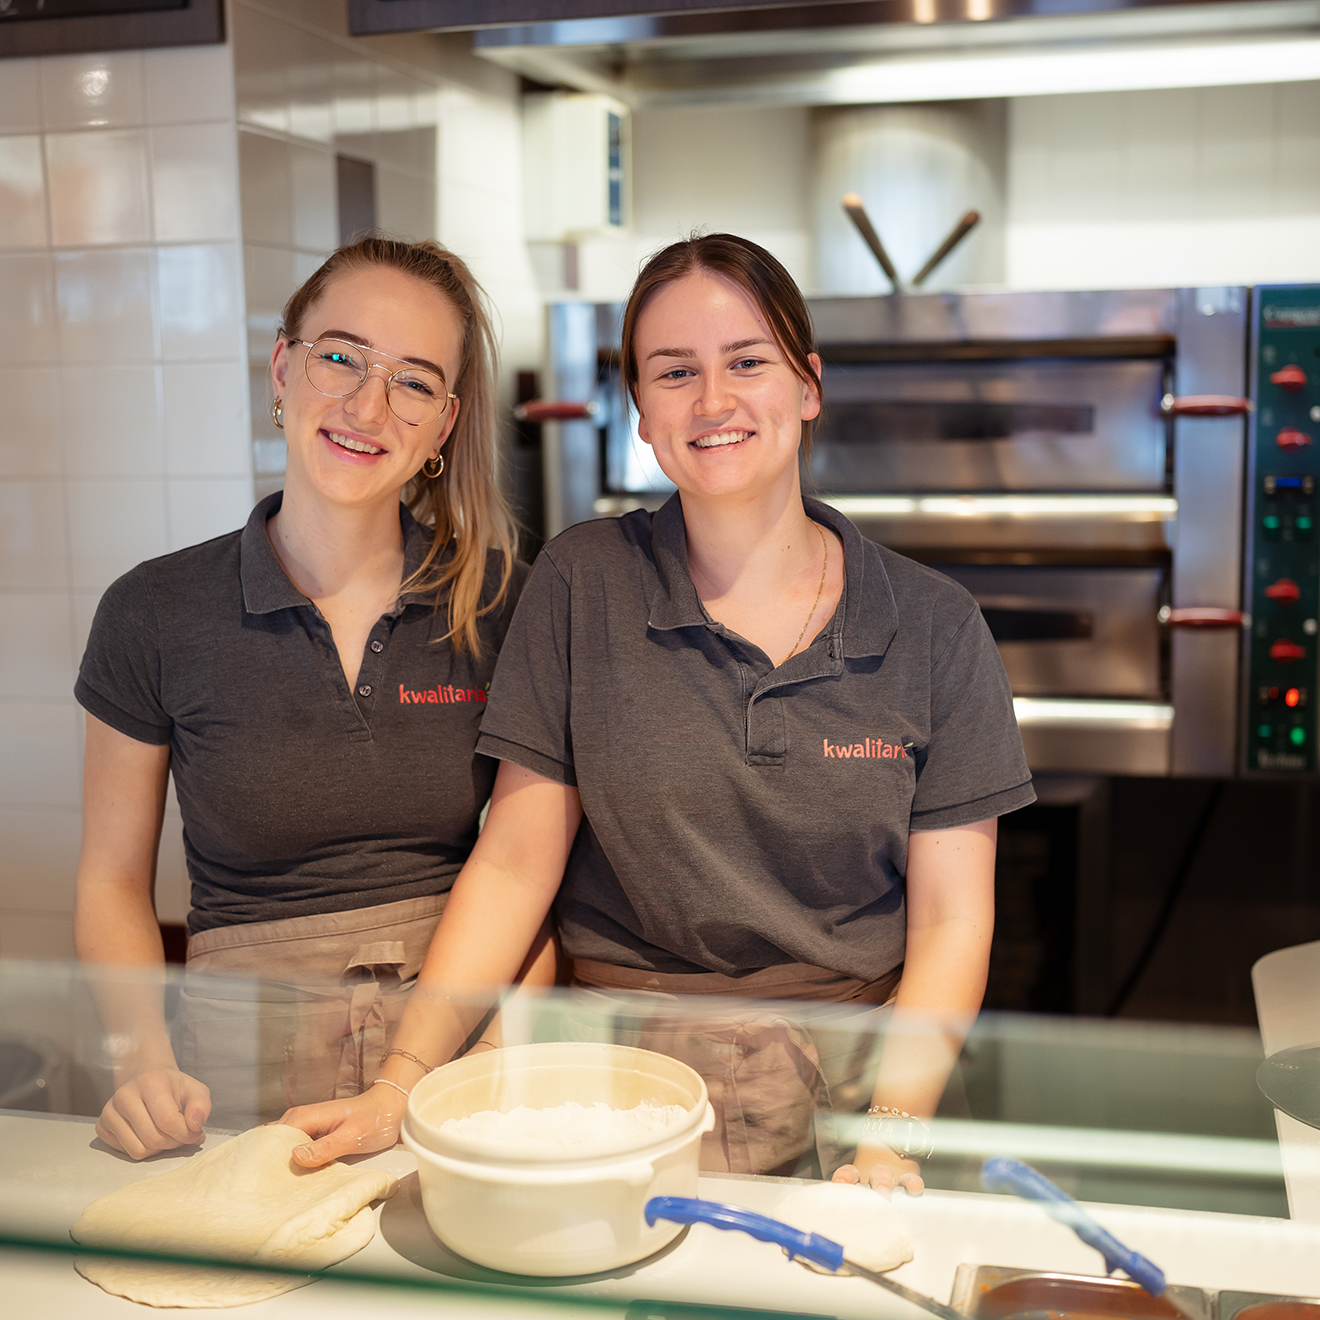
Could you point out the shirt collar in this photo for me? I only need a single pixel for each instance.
(266, 586)
(869, 618)
(865, 625)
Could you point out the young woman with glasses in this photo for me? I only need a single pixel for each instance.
(315, 684)
(745, 753)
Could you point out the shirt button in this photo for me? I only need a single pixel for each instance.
(364, 690)
(378, 647)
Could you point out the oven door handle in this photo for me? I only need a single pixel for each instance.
(556, 410)
(1204, 405)
(1203, 616)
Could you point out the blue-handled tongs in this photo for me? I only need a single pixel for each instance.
(1010, 1176)
(810, 1246)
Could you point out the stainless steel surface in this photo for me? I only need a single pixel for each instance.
(1110, 316)
(1208, 458)
(571, 22)
(571, 448)
(795, 54)
(1234, 1304)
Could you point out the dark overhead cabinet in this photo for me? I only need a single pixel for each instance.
(70, 27)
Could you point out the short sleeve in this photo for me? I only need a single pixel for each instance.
(119, 679)
(973, 767)
(527, 719)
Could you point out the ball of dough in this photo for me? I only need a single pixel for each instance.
(872, 1233)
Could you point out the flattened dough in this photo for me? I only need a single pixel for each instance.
(871, 1232)
(243, 1201)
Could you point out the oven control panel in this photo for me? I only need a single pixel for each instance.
(1283, 584)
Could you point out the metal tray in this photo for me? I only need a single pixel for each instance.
(1271, 1306)
(995, 1292)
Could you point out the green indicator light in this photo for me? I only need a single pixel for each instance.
(1264, 730)
(1303, 523)
(1297, 737)
(1271, 523)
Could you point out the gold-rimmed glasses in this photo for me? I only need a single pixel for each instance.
(338, 368)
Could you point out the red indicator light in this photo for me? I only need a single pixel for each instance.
(1285, 589)
(1285, 651)
(1291, 377)
(1274, 694)
(1291, 438)
(1292, 697)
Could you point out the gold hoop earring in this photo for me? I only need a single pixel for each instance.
(433, 467)
(277, 412)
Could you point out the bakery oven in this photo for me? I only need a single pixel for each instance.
(1123, 479)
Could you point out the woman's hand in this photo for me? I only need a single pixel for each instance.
(882, 1169)
(157, 1110)
(365, 1123)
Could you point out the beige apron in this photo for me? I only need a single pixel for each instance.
(291, 1012)
(774, 1083)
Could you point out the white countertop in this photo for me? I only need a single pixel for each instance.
(50, 1168)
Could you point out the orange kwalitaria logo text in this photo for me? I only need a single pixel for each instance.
(439, 695)
(864, 750)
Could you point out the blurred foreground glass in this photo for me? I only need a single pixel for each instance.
(1130, 1115)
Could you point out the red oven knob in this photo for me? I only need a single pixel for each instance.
(1285, 589)
(1291, 438)
(1290, 378)
(1285, 651)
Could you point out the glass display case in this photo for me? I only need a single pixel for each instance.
(1160, 1131)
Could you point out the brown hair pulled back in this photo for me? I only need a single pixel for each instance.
(463, 503)
(757, 273)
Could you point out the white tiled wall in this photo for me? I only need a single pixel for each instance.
(124, 428)
(443, 131)
(1215, 185)
(156, 210)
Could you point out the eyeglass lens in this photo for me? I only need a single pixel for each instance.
(415, 394)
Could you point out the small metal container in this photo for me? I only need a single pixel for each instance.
(996, 1292)
(1267, 1306)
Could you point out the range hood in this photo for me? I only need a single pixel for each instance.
(823, 52)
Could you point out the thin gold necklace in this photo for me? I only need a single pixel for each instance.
(820, 591)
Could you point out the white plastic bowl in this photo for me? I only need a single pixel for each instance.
(554, 1215)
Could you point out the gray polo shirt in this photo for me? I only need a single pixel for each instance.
(738, 815)
(298, 795)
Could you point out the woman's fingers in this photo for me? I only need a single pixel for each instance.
(357, 1126)
(888, 1171)
(170, 1099)
(153, 1112)
(912, 1183)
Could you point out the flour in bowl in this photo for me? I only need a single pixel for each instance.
(569, 1128)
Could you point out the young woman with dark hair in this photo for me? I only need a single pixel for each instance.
(744, 752)
(315, 684)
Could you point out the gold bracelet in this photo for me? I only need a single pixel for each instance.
(385, 1081)
(412, 1058)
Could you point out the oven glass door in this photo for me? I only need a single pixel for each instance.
(1036, 425)
(1068, 631)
